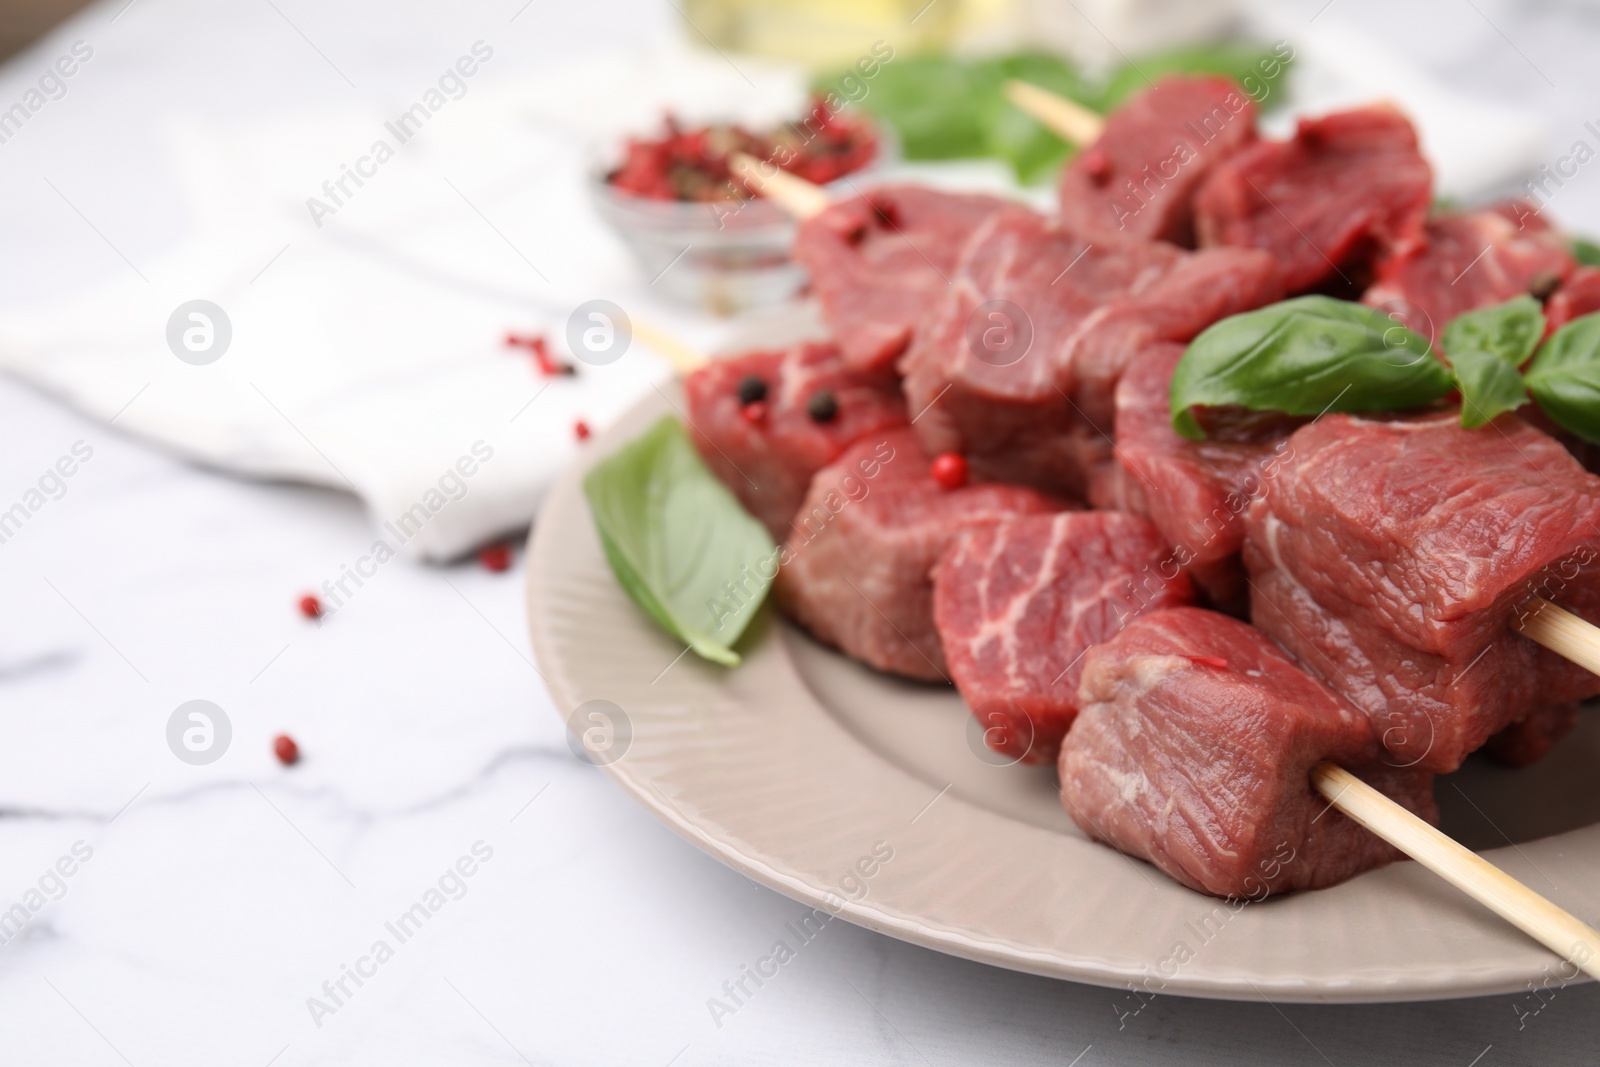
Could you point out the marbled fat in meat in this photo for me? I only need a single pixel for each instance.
(857, 568)
(1018, 603)
(1089, 305)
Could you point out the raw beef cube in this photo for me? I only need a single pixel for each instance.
(1194, 749)
(1529, 740)
(1018, 603)
(1584, 452)
(878, 263)
(1580, 296)
(1071, 311)
(1347, 189)
(857, 570)
(768, 461)
(1140, 176)
(1471, 260)
(1194, 491)
(1389, 556)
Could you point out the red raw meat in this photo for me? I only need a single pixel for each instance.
(1346, 189)
(1580, 296)
(1528, 741)
(1389, 556)
(1468, 261)
(857, 568)
(1195, 491)
(1140, 176)
(1091, 304)
(1584, 452)
(1194, 750)
(1017, 605)
(879, 262)
(768, 462)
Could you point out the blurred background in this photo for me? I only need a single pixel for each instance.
(25, 21)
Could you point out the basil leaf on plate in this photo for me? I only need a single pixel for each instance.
(1485, 347)
(1586, 252)
(679, 542)
(1305, 356)
(1565, 377)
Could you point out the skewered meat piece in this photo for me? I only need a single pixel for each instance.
(1196, 492)
(1139, 178)
(1471, 260)
(857, 568)
(1389, 557)
(767, 454)
(1578, 297)
(1345, 190)
(1529, 740)
(1017, 366)
(1018, 603)
(880, 261)
(1194, 749)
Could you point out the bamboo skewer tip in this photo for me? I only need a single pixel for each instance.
(1067, 118)
(1560, 631)
(798, 197)
(1552, 926)
(682, 358)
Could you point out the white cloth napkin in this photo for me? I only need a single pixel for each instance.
(368, 353)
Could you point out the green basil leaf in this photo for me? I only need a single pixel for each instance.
(1305, 356)
(939, 106)
(1510, 330)
(1485, 347)
(1490, 386)
(679, 542)
(1586, 251)
(1565, 377)
(1033, 151)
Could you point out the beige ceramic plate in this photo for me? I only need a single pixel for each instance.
(804, 770)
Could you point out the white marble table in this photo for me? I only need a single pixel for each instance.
(207, 906)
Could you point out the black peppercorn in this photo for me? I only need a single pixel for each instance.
(823, 406)
(1543, 284)
(752, 389)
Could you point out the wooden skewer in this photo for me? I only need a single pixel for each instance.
(1556, 929)
(1561, 632)
(684, 360)
(798, 197)
(1068, 118)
